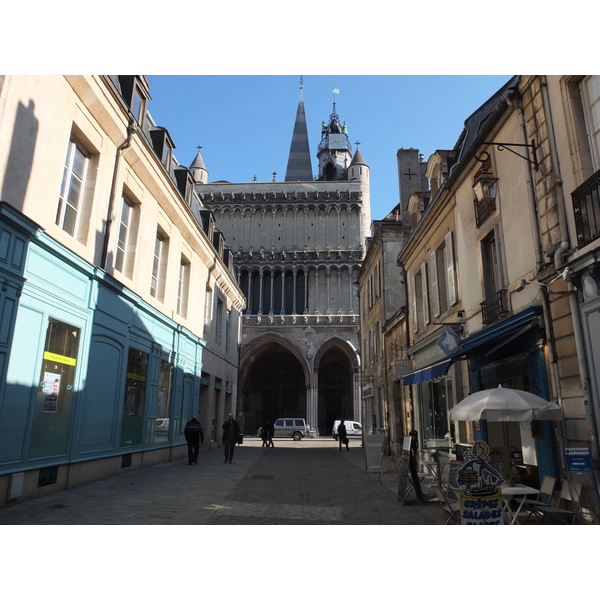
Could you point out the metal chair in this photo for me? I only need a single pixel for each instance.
(570, 492)
(546, 492)
(451, 507)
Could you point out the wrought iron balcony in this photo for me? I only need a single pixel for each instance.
(586, 206)
(495, 307)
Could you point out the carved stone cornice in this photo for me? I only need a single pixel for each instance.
(242, 257)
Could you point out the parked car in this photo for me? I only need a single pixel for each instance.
(294, 428)
(353, 429)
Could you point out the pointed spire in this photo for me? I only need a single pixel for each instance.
(299, 167)
(198, 170)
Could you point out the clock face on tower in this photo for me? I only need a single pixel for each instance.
(337, 141)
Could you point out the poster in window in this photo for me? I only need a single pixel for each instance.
(51, 389)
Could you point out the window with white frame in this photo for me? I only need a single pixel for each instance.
(590, 94)
(208, 299)
(219, 322)
(183, 286)
(228, 331)
(126, 240)
(442, 275)
(159, 266)
(420, 298)
(138, 105)
(72, 188)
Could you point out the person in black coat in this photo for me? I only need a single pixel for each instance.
(231, 433)
(193, 437)
(343, 435)
(270, 435)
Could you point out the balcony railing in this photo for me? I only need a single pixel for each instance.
(495, 307)
(586, 206)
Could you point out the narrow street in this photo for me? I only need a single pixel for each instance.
(296, 483)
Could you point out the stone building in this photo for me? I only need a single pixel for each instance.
(384, 307)
(501, 269)
(109, 342)
(297, 246)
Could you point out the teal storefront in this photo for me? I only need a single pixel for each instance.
(89, 370)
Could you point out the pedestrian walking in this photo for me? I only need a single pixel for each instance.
(342, 435)
(193, 436)
(270, 434)
(231, 433)
(264, 435)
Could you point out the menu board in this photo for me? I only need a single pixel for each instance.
(373, 445)
(403, 465)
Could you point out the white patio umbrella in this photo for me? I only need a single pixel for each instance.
(504, 404)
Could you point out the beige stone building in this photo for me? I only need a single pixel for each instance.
(501, 277)
(110, 340)
(297, 246)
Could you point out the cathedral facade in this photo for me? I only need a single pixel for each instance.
(298, 246)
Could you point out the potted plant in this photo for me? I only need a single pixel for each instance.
(511, 476)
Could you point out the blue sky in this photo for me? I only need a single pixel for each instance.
(244, 123)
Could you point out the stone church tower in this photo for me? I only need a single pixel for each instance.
(297, 248)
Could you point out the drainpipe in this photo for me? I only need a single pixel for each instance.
(559, 263)
(131, 129)
(515, 105)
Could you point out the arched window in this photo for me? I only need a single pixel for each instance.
(300, 292)
(267, 282)
(277, 290)
(289, 292)
(244, 288)
(255, 293)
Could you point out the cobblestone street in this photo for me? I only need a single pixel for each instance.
(296, 483)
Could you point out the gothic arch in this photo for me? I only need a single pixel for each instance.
(336, 365)
(274, 380)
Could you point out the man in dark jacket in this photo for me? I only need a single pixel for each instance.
(193, 436)
(231, 433)
(342, 435)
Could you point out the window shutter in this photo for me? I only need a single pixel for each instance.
(414, 305)
(435, 295)
(500, 274)
(425, 293)
(450, 269)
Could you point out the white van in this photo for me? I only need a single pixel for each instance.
(353, 429)
(294, 428)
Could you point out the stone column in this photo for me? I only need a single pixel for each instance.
(312, 405)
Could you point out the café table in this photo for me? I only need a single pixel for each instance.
(519, 492)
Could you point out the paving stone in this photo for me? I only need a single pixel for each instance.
(296, 483)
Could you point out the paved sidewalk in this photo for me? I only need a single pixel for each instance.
(296, 483)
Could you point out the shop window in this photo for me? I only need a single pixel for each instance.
(436, 400)
(55, 393)
(135, 398)
(162, 423)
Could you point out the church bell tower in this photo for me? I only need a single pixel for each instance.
(334, 150)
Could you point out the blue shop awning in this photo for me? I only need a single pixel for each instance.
(503, 334)
(431, 372)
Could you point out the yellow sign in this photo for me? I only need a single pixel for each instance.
(58, 358)
(481, 506)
